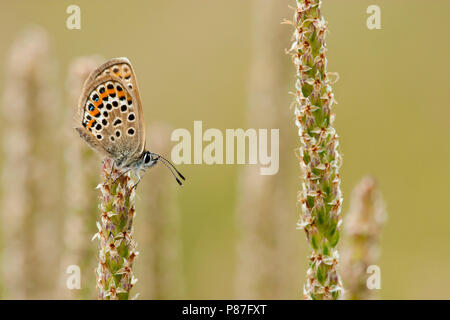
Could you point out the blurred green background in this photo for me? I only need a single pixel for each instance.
(192, 60)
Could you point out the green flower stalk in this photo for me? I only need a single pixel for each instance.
(117, 250)
(362, 231)
(320, 160)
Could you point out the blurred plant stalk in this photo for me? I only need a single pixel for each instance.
(161, 263)
(117, 250)
(320, 197)
(262, 215)
(80, 180)
(30, 217)
(361, 243)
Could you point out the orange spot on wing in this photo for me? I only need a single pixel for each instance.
(94, 112)
(90, 122)
(97, 103)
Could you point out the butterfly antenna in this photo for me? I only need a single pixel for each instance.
(171, 171)
(171, 164)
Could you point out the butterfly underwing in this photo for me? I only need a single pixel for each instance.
(111, 118)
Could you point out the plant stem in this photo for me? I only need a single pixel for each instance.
(161, 268)
(117, 247)
(320, 160)
(29, 214)
(264, 232)
(80, 202)
(363, 226)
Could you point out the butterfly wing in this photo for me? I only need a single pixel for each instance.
(111, 114)
(122, 68)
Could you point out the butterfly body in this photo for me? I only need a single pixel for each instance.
(112, 119)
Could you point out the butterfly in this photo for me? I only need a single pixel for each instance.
(111, 119)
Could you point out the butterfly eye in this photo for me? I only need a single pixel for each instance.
(147, 158)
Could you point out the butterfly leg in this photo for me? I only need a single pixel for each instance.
(110, 173)
(139, 180)
(125, 172)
